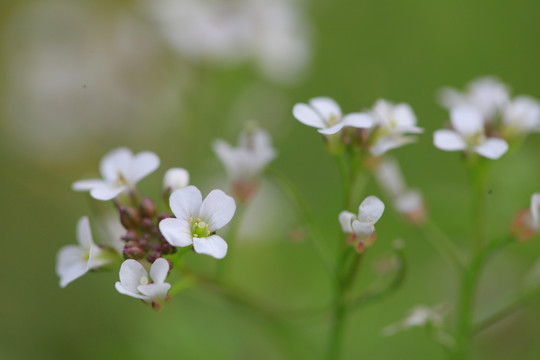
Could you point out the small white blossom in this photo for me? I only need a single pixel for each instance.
(73, 261)
(197, 220)
(134, 280)
(120, 170)
(363, 224)
(488, 95)
(324, 114)
(392, 122)
(521, 116)
(419, 316)
(468, 134)
(253, 154)
(175, 178)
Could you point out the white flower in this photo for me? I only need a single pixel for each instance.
(369, 212)
(488, 95)
(252, 155)
(73, 261)
(134, 280)
(120, 170)
(324, 114)
(197, 220)
(468, 134)
(393, 122)
(521, 115)
(419, 316)
(175, 178)
(535, 208)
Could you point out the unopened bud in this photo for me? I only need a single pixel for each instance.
(174, 179)
(129, 217)
(133, 253)
(167, 249)
(147, 224)
(163, 215)
(153, 256)
(148, 209)
(131, 235)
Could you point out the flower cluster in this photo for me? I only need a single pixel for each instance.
(485, 119)
(379, 130)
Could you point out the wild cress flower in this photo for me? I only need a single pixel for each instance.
(324, 114)
(73, 261)
(469, 135)
(134, 281)
(120, 170)
(361, 226)
(520, 116)
(391, 123)
(197, 220)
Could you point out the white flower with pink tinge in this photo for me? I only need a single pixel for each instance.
(324, 114)
(363, 224)
(197, 220)
(469, 135)
(73, 261)
(120, 170)
(134, 281)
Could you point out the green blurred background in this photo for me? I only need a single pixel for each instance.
(360, 51)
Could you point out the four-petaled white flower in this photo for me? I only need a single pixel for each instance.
(393, 121)
(488, 95)
(521, 115)
(363, 224)
(468, 134)
(197, 220)
(175, 178)
(73, 261)
(120, 170)
(134, 280)
(324, 114)
(253, 154)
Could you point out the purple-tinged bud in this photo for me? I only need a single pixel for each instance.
(164, 215)
(147, 224)
(153, 256)
(148, 209)
(135, 253)
(167, 249)
(130, 236)
(156, 306)
(129, 217)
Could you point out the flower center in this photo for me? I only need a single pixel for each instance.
(120, 178)
(333, 120)
(199, 228)
(144, 280)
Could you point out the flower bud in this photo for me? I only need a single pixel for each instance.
(175, 178)
(131, 235)
(147, 224)
(148, 209)
(153, 256)
(129, 217)
(163, 215)
(133, 253)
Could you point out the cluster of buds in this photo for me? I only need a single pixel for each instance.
(143, 240)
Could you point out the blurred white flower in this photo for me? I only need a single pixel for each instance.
(175, 178)
(363, 224)
(392, 122)
(469, 135)
(73, 261)
(134, 281)
(271, 33)
(521, 116)
(324, 114)
(487, 94)
(197, 220)
(419, 316)
(120, 170)
(535, 208)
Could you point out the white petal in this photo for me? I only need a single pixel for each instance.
(177, 232)
(70, 264)
(186, 202)
(390, 142)
(84, 234)
(96, 258)
(308, 116)
(131, 273)
(363, 230)
(115, 161)
(143, 164)
(125, 291)
(345, 220)
(492, 148)
(409, 201)
(466, 120)
(535, 207)
(159, 270)
(404, 116)
(326, 106)
(155, 291)
(213, 245)
(370, 210)
(176, 178)
(332, 129)
(106, 192)
(389, 177)
(448, 140)
(358, 120)
(450, 98)
(217, 210)
(86, 185)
